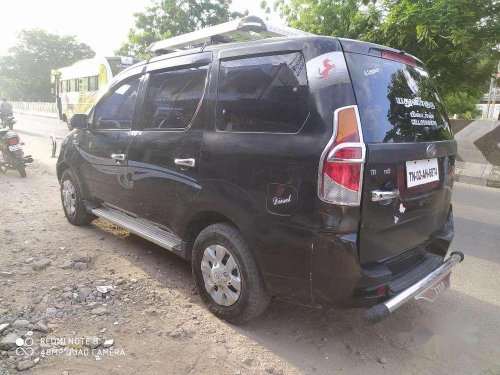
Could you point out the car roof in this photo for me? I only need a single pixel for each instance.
(348, 45)
(234, 45)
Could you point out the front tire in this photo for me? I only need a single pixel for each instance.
(72, 200)
(227, 276)
(21, 168)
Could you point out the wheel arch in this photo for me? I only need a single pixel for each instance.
(64, 165)
(61, 167)
(200, 221)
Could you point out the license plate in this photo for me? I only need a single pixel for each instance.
(435, 289)
(15, 147)
(420, 172)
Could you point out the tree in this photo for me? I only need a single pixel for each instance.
(462, 104)
(25, 70)
(454, 38)
(167, 18)
(341, 18)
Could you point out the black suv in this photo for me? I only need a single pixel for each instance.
(314, 169)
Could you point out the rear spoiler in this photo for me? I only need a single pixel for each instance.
(366, 48)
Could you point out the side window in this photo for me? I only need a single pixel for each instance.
(116, 109)
(93, 83)
(173, 97)
(263, 94)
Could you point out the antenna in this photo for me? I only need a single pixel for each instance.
(246, 28)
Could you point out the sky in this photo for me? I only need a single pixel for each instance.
(102, 24)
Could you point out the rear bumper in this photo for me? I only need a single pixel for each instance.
(416, 291)
(339, 279)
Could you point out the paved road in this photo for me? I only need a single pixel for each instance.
(40, 126)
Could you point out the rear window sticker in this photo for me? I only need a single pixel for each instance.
(415, 102)
(371, 71)
(422, 118)
(327, 70)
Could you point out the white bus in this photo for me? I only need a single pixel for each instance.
(76, 87)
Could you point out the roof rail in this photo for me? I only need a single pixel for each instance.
(246, 28)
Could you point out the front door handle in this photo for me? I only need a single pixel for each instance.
(118, 157)
(384, 195)
(187, 163)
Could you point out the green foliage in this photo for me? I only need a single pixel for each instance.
(462, 104)
(25, 71)
(454, 38)
(341, 18)
(167, 18)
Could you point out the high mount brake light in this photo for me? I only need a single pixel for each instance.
(341, 164)
(405, 59)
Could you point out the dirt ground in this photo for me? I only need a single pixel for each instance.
(159, 326)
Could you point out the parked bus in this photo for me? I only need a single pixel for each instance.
(76, 87)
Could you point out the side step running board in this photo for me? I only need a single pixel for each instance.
(142, 228)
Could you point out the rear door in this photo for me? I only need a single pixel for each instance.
(410, 154)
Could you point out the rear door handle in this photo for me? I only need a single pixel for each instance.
(118, 157)
(384, 195)
(187, 163)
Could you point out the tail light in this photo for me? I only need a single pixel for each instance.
(341, 164)
(13, 140)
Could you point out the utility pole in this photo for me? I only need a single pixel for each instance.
(492, 94)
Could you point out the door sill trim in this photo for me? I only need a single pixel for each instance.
(142, 228)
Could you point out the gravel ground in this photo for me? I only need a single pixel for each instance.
(97, 300)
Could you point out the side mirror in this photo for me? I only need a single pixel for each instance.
(79, 121)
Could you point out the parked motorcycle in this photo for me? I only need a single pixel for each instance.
(11, 152)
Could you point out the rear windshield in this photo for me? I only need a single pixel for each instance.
(397, 102)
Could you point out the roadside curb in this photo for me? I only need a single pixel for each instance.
(477, 174)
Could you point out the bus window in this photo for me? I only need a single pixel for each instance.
(93, 83)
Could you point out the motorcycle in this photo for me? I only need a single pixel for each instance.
(11, 153)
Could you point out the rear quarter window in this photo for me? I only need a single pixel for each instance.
(397, 102)
(263, 94)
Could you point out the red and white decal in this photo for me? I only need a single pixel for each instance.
(327, 70)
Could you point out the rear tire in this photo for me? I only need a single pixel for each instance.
(21, 168)
(225, 269)
(72, 200)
